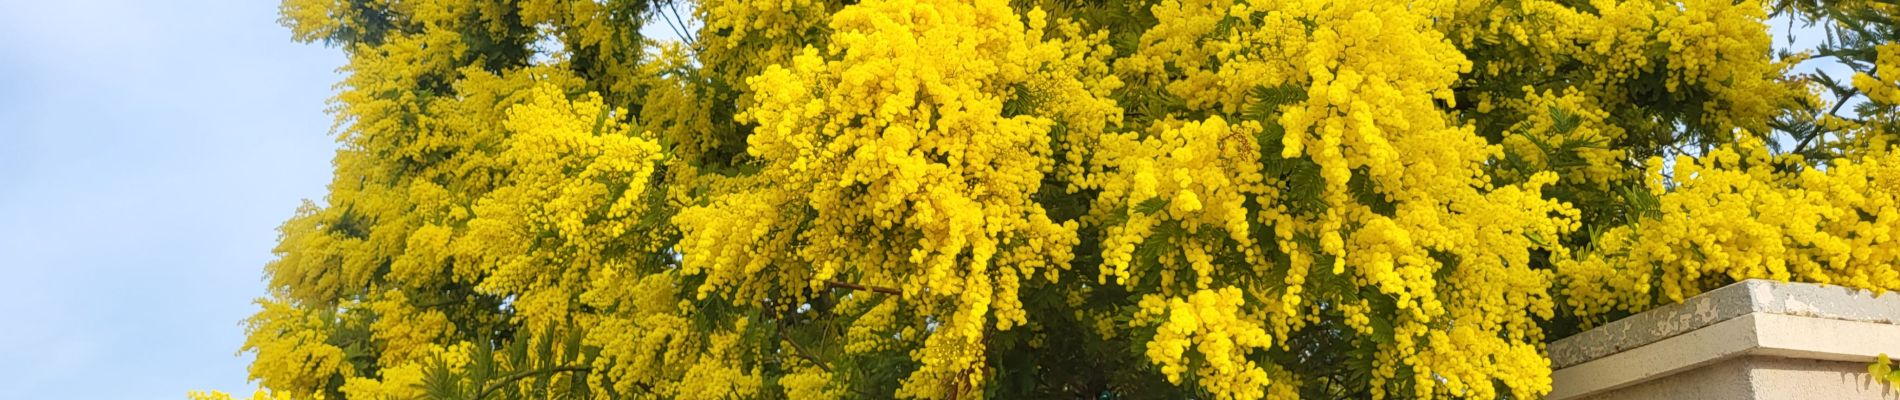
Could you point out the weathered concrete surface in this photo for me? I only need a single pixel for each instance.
(1760, 377)
(1750, 340)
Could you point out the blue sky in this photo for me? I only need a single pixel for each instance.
(148, 151)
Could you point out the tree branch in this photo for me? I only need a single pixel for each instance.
(854, 286)
(440, 302)
(511, 378)
(800, 350)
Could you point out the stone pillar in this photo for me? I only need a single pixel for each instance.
(1754, 339)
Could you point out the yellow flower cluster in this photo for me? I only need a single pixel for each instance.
(1882, 88)
(260, 394)
(1714, 47)
(293, 357)
(601, 37)
(680, 112)
(1406, 216)
(718, 373)
(1739, 213)
(647, 343)
(888, 161)
(744, 37)
(1873, 137)
(1555, 120)
(1717, 45)
(405, 379)
(1210, 322)
(400, 381)
(809, 383)
(577, 187)
(404, 333)
(875, 329)
(1236, 199)
(1493, 290)
(467, 177)
(1204, 173)
(1076, 92)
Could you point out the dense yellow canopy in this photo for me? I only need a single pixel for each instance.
(950, 199)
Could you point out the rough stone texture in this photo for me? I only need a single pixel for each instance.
(1790, 378)
(1758, 377)
(1722, 380)
(1750, 340)
(1727, 302)
(1661, 323)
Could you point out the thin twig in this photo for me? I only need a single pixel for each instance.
(854, 286)
(1843, 96)
(678, 27)
(783, 319)
(511, 378)
(439, 303)
(686, 31)
(800, 350)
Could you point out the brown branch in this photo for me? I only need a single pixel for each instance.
(800, 351)
(439, 303)
(1841, 101)
(854, 286)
